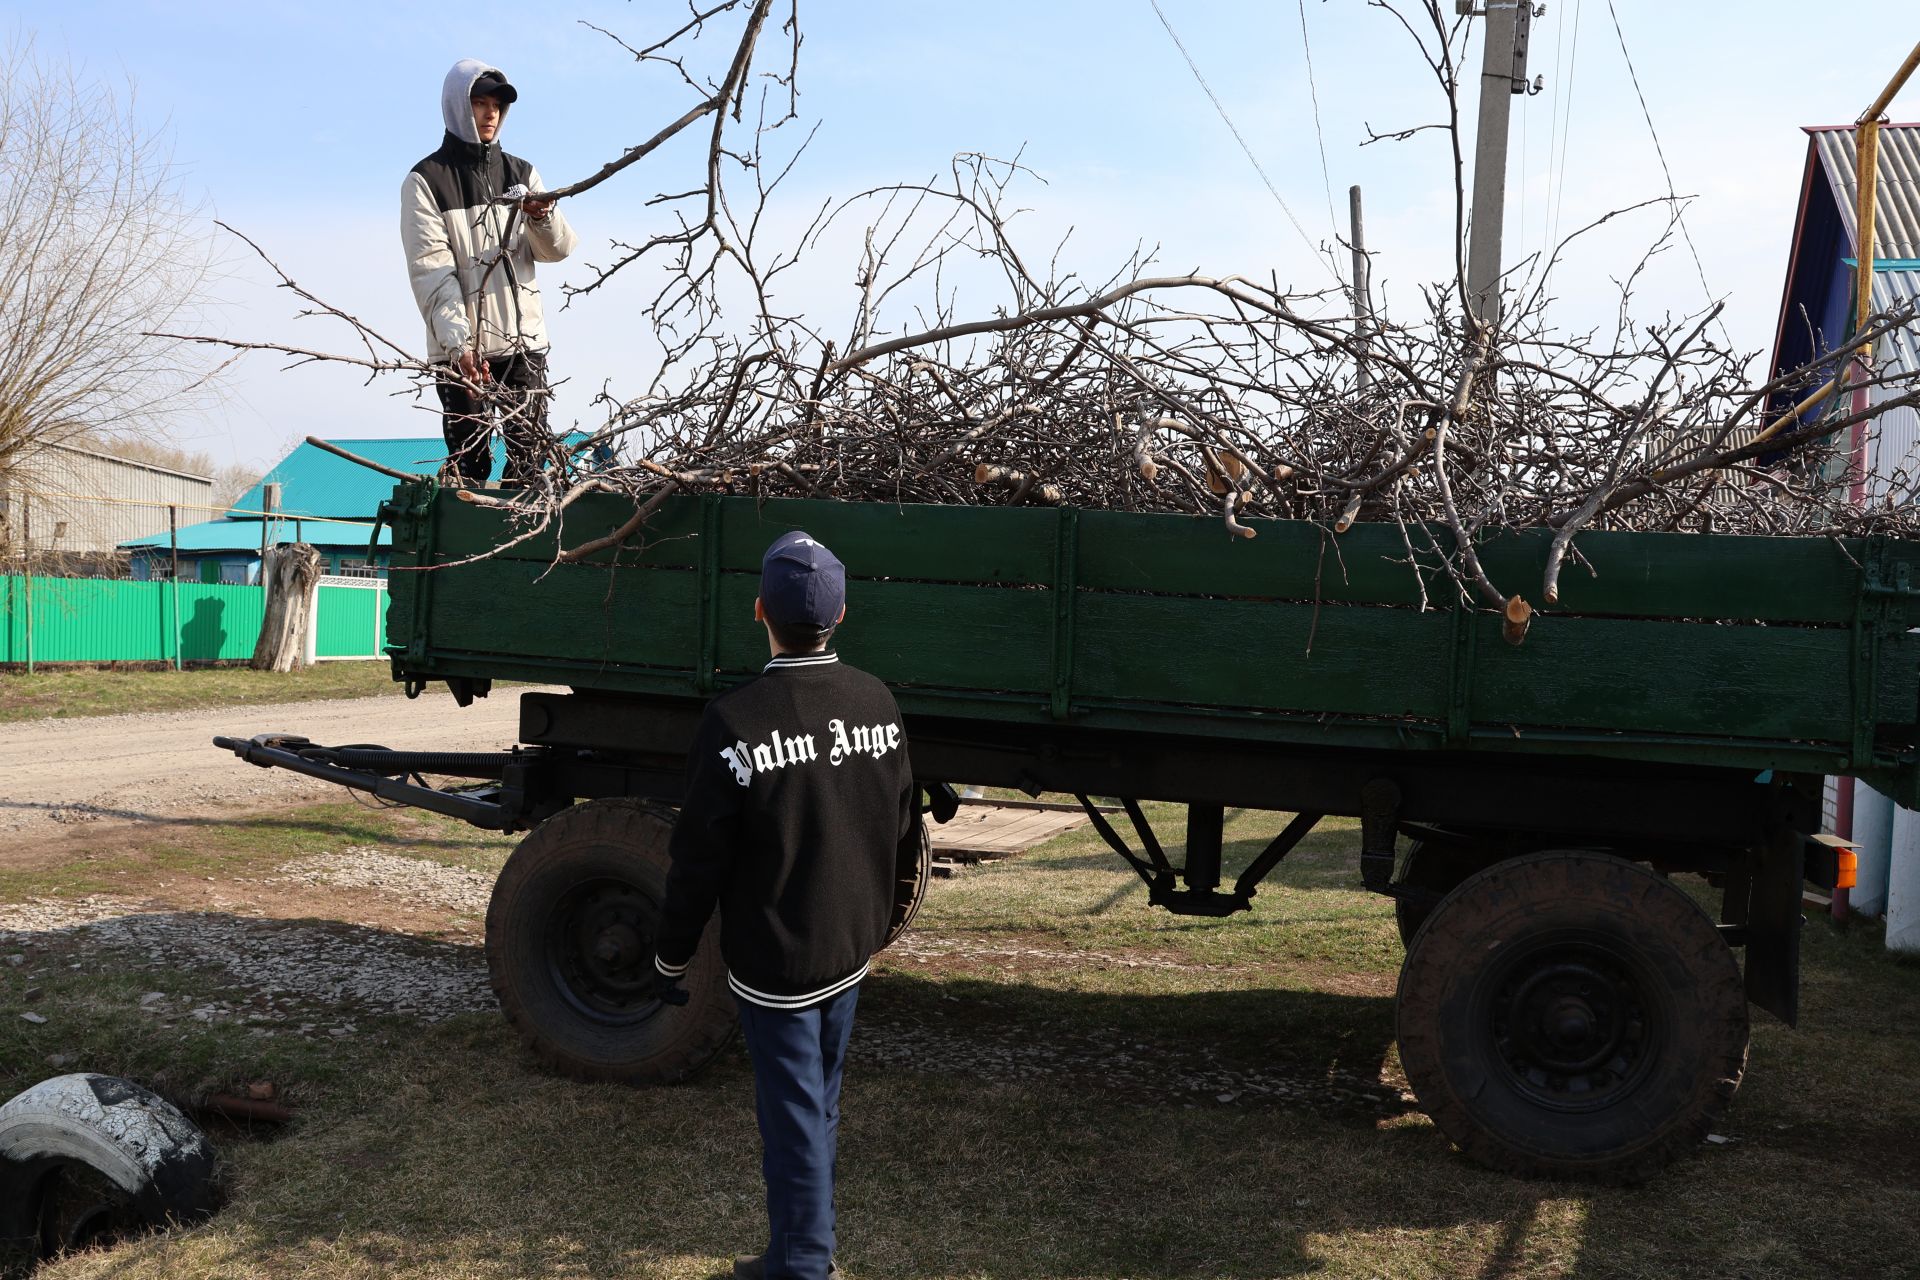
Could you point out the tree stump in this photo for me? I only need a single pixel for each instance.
(291, 574)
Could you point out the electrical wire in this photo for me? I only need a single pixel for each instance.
(1237, 137)
(1319, 134)
(1566, 127)
(1673, 197)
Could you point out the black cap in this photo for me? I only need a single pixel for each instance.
(802, 583)
(492, 84)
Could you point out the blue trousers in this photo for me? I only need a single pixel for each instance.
(797, 1060)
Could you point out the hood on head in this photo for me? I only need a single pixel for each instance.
(456, 98)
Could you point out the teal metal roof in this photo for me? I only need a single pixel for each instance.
(244, 535)
(314, 482)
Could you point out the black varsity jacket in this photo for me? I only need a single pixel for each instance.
(799, 795)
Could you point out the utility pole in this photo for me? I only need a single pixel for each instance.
(1362, 291)
(1503, 73)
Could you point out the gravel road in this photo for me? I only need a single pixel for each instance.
(149, 764)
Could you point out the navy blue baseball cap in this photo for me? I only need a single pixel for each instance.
(802, 583)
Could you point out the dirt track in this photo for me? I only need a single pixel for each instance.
(134, 767)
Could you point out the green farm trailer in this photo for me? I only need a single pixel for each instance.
(1565, 1006)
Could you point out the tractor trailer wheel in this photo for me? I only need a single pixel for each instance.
(570, 936)
(1572, 1015)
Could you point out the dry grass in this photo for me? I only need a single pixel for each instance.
(104, 692)
(438, 1152)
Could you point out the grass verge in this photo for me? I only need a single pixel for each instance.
(95, 692)
(1042, 1085)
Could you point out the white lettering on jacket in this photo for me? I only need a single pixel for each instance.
(874, 740)
(777, 752)
(781, 751)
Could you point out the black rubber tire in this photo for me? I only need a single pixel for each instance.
(572, 1021)
(1438, 868)
(910, 888)
(86, 1158)
(1666, 1023)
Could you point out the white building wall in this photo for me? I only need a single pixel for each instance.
(76, 501)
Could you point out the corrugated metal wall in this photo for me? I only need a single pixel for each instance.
(101, 620)
(1894, 461)
(351, 618)
(102, 501)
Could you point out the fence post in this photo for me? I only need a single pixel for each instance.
(173, 541)
(26, 563)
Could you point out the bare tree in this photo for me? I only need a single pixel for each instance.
(99, 247)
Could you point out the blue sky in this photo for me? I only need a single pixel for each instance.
(297, 122)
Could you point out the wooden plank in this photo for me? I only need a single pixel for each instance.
(1289, 560)
(990, 832)
(915, 635)
(1710, 680)
(637, 617)
(1243, 654)
(908, 541)
(1652, 575)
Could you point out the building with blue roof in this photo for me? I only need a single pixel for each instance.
(322, 500)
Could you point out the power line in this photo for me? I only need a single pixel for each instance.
(1673, 197)
(1566, 128)
(1235, 130)
(1313, 92)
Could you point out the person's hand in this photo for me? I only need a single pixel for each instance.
(664, 989)
(472, 367)
(536, 207)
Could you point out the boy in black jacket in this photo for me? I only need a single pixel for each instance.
(798, 796)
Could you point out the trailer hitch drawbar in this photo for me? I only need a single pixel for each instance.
(381, 772)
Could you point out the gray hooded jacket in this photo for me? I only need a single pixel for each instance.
(467, 281)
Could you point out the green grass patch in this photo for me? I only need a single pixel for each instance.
(109, 860)
(88, 692)
(439, 1151)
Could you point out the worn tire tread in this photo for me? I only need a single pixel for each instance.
(1660, 915)
(702, 1027)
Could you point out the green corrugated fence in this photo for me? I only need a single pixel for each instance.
(103, 620)
(351, 622)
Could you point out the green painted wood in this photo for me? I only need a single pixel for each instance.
(1289, 560)
(911, 541)
(1237, 653)
(1665, 677)
(641, 617)
(1648, 575)
(915, 635)
(1173, 627)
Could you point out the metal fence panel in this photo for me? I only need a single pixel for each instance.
(102, 620)
(350, 618)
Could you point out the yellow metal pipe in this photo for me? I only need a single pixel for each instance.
(1894, 85)
(1866, 143)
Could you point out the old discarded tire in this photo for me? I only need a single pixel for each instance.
(1572, 1014)
(570, 950)
(86, 1158)
(915, 869)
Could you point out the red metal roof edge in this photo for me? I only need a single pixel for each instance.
(1807, 176)
(1847, 128)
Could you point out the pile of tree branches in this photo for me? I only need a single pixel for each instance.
(1232, 397)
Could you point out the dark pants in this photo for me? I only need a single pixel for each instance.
(516, 400)
(797, 1059)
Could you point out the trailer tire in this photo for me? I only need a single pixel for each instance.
(915, 870)
(1572, 1015)
(86, 1158)
(570, 949)
(1435, 868)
